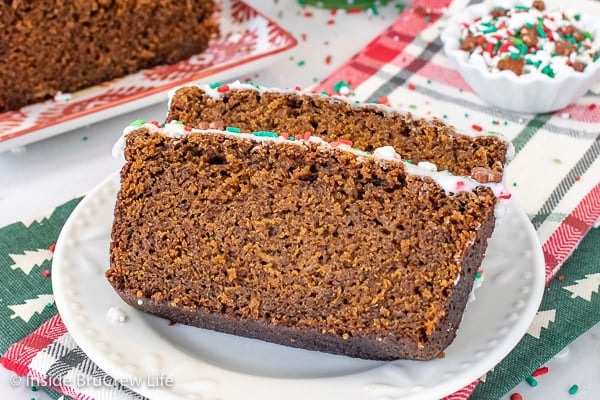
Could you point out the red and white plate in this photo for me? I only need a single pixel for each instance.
(248, 41)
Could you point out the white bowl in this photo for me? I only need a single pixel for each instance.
(527, 93)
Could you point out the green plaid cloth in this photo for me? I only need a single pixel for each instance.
(570, 306)
(26, 291)
(26, 299)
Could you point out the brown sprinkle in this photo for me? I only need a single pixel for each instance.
(538, 5)
(498, 12)
(485, 175)
(529, 36)
(577, 34)
(564, 48)
(469, 43)
(218, 125)
(510, 64)
(578, 66)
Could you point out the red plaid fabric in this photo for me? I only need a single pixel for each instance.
(405, 63)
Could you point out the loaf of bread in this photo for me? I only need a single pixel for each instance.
(297, 241)
(49, 46)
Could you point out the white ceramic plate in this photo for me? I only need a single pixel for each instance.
(201, 364)
(248, 41)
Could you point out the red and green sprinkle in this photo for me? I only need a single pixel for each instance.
(531, 381)
(342, 87)
(573, 389)
(265, 134)
(540, 371)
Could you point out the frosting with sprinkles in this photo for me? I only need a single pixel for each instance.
(530, 39)
(448, 182)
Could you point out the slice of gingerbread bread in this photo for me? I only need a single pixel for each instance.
(51, 46)
(297, 241)
(252, 107)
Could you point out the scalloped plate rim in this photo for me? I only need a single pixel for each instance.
(378, 382)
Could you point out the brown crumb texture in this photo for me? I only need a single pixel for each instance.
(49, 46)
(295, 244)
(368, 126)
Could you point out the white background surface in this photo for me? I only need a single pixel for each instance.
(45, 174)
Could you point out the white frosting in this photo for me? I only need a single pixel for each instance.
(426, 165)
(457, 280)
(476, 285)
(119, 147)
(448, 182)
(510, 151)
(63, 98)
(115, 314)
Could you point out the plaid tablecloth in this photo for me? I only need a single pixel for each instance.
(555, 177)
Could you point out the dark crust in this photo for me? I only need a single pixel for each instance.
(49, 46)
(448, 326)
(305, 338)
(366, 125)
(159, 258)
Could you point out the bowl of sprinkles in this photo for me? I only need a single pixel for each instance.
(525, 56)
